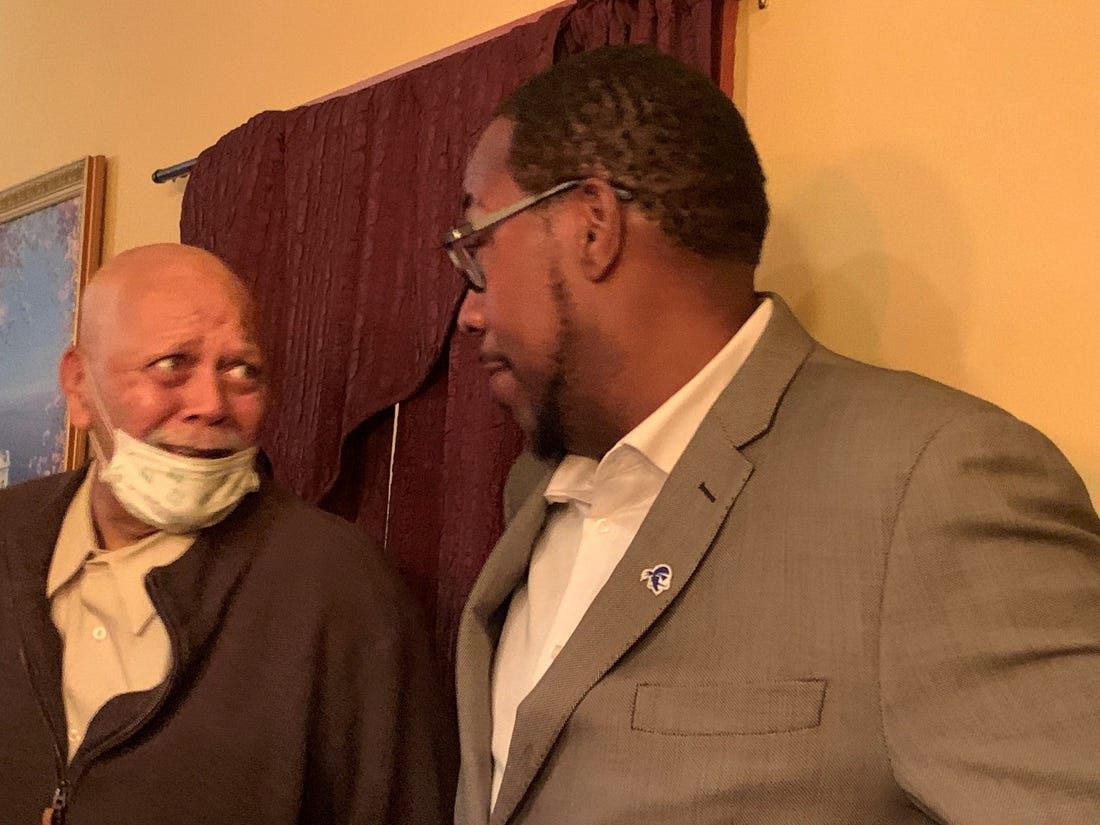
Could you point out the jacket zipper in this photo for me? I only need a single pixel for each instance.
(65, 783)
(61, 793)
(60, 800)
(60, 796)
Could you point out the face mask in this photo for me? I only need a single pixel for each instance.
(174, 493)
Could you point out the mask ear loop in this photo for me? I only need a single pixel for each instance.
(98, 402)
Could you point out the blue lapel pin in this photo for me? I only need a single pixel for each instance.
(658, 579)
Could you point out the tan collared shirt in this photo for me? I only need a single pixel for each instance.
(114, 641)
(605, 503)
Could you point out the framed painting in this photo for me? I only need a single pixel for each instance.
(51, 231)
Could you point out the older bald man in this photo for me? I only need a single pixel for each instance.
(180, 640)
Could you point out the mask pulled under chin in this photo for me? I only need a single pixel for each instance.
(175, 493)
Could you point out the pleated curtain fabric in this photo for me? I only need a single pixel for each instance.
(333, 213)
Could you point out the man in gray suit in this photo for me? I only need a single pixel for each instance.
(750, 580)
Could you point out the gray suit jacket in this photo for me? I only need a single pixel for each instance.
(884, 608)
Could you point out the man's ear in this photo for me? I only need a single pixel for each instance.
(75, 386)
(602, 230)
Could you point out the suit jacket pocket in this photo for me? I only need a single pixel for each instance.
(729, 708)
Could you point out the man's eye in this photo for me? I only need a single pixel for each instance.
(243, 372)
(168, 363)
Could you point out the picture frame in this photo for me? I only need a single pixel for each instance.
(51, 236)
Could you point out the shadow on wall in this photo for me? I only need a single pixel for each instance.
(875, 258)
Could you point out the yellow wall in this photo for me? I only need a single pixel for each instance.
(151, 83)
(934, 170)
(934, 166)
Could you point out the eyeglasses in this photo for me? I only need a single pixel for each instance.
(461, 242)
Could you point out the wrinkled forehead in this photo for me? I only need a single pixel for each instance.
(174, 307)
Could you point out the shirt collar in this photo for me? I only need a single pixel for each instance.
(78, 546)
(664, 435)
(572, 480)
(76, 541)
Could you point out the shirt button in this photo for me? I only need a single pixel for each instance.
(100, 633)
(602, 525)
(554, 652)
(74, 735)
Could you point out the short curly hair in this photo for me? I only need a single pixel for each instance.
(652, 125)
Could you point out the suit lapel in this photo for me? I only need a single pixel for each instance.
(478, 633)
(678, 531)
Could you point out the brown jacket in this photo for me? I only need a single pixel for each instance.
(300, 689)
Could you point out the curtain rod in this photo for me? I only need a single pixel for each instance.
(176, 170)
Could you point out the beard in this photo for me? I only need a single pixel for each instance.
(548, 439)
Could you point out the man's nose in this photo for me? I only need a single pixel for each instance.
(204, 398)
(471, 314)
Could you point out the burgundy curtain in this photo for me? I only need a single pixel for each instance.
(333, 213)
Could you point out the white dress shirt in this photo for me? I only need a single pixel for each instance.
(596, 510)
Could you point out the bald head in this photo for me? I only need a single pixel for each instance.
(163, 272)
(167, 353)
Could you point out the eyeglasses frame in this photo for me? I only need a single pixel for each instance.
(454, 241)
